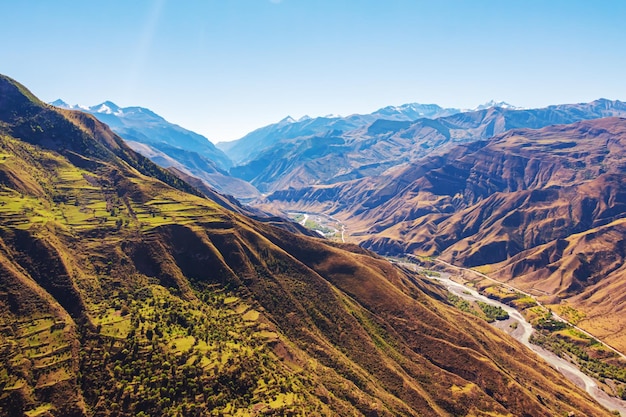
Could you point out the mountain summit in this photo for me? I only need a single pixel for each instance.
(500, 104)
(138, 124)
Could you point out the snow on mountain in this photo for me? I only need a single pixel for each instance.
(500, 104)
(413, 111)
(108, 107)
(142, 125)
(287, 121)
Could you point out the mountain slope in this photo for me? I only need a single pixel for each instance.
(543, 206)
(123, 295)
(193, 164)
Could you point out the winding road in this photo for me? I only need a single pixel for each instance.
(510, 287)
(523, 331)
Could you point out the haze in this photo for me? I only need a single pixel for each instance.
(225, 68)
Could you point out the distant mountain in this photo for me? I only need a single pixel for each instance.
(543, 208)
(413, 111)
(246, 149)
(493, 103)
(143, 125)
(193, 164)
(125, 292)
(340, 155)
(152, 135)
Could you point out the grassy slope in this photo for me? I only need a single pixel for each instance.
(122, 295)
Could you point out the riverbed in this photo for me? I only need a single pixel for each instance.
(522, 331)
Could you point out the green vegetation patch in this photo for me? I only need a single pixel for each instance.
(591, 356)
(571, 314)
(35, 352)
(460, 303)
(39, 411)
(206, 356)
(51, 189)
(492, 312)
(486, 311)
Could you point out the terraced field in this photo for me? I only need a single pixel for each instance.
(38, 353)
(218, 339)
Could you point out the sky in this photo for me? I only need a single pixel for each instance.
(223, 68)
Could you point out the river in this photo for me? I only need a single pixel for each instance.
(522, 332)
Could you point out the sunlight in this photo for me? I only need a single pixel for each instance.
(144, 44)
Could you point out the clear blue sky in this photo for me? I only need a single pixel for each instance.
(225, 67)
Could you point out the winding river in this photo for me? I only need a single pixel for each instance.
(522, 332)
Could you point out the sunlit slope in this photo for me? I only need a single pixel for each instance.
(123, 294)
(543, 208)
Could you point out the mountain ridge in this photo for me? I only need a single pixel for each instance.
(337, 156)
(266, 136)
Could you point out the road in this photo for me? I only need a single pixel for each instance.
(523, 332)
(510, 287)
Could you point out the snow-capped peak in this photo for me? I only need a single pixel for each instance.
(64, 105)
(304, 118)
(107, 107)
(500, 104)
(287, 120)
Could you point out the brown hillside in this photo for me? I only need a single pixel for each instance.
(541, 204)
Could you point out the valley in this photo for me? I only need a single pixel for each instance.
(291, 208)
(520, 329)
(126, 291)
(570, 365)
(324, 225)
(541, 209)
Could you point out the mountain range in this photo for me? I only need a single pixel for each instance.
(125, 291)
(247, 148)
(341, 152)
(327, 150)
(169, 145)
(542, 208)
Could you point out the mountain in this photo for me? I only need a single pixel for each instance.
(493, 103)
(192, 164)
(126, 292)
(169, 145)
(413, 111)
(542, 208)
(142, 125)
(337, 155)
(248, 148)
